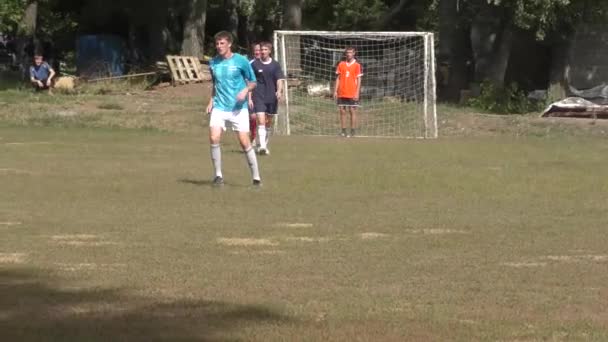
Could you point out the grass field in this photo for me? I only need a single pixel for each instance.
(111, 230)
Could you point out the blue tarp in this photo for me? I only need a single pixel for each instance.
(100, 56)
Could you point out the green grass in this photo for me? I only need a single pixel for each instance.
(117, 235)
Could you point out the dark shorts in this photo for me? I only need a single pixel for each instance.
(262, 107)
(38, 87)
(347, 102)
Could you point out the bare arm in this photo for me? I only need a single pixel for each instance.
(210, 105)
(279, 93)
(358, 88)
(336, 88)
(242, 96)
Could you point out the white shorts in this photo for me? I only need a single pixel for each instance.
(239, 119)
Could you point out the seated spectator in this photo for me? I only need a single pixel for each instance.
(41, 73)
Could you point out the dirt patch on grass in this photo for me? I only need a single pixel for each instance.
(71, 237)
(81, 240)
(436, 231)
(263, 252)
(14, 172)
(307, 239)
(86, 243)
(27, 143)
(10, 224)
(12, 258)
(88, 267)
(373, 236)
(524, 264)
(294, 225)
(246, 242)
(576, 258)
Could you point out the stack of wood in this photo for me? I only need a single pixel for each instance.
(186, 69)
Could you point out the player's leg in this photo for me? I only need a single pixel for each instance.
(253, 127)
(342, 120)
(271, 111)
(262, 133)
(353, 120)
(240, 123)
(269, 128)
(217, 125)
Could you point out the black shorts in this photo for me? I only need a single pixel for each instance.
(263, 107)
(44, 86)
(347, 102)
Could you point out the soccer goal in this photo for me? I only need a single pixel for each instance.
(397, 90)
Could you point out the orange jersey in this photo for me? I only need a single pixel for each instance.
(349, 76)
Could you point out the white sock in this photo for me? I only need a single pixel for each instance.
(253, 163)
(262, 136)
(216, 159)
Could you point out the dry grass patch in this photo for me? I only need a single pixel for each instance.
(14, 172)
(12, 258)
(27, 143)
(373, 236)
(10, 224)
(294, 225)
(524, 264)
(576, 258)
(246, 242)
(81, 240)
(88, 266)
(307, 239)
(263, 252)
(436, 231)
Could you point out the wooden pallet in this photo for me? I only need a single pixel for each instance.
(185, 69)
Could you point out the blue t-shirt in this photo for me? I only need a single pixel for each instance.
(230, 76)
(267, 74)
(40, 72)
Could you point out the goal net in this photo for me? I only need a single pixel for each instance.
(397, 90)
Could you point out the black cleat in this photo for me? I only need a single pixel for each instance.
(257, 182)
(218, 181)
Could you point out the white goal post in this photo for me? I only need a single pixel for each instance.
(397, 90)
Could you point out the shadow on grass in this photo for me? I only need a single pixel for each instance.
(198, 182)
(32, 308)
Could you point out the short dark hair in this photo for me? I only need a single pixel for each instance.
(223, 35)
(350, 48)
(267, 45)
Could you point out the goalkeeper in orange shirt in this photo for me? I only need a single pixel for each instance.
(348, 89)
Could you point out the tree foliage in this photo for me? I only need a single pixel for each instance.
(11, 12)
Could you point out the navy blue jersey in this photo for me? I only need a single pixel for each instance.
(267, 75)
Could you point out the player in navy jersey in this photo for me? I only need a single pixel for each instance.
(267, 93)
(233, 79)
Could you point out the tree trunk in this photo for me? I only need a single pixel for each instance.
(491, 41)
(292, 14)
(26, 43)
(393, 13)
(453, 52)
(232, 24)
(194, 28)
(157, 31)
(292, 20)
(559, 75)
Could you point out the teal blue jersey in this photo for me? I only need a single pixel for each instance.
(230, 76)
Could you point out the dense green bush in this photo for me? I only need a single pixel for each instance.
(505, 100)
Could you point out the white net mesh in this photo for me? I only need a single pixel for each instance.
(397, 91)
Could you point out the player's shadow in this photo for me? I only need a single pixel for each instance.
(35, 308)
(197, 182)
